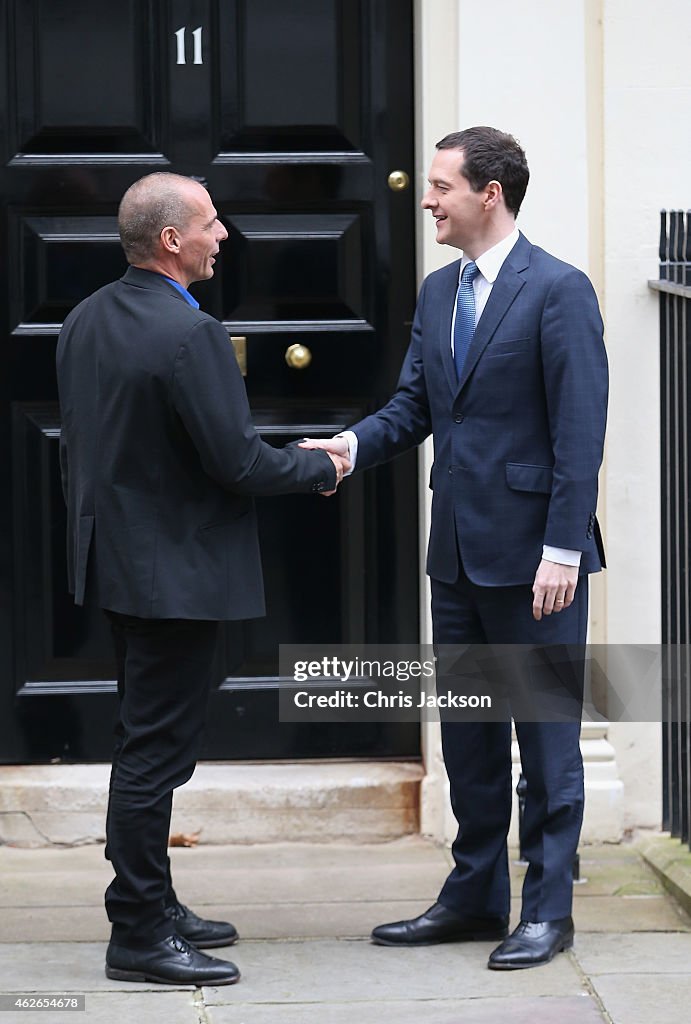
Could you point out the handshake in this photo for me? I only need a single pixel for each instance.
(338, 451)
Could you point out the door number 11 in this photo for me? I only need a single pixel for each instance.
(197, 40)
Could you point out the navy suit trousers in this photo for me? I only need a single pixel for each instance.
(478, 761)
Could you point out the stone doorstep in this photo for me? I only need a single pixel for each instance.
(670, 859)
(359, 801)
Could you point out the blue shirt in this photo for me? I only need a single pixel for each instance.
(183, 291)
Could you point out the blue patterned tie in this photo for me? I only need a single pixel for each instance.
(464, 327)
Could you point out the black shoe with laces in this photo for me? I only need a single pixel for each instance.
(439, 924)
(201, 933)
(531, 944)
(172, 961)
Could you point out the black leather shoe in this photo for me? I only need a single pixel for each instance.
(202, 934)
(438, 924)
(171, 961)
(532, 943)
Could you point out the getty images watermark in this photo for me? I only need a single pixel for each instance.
(375, 684)
(484, 682)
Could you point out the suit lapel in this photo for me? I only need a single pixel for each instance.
(447, 304)
(508, 284)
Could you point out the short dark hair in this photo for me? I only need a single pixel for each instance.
(152, 203)
(491, 155)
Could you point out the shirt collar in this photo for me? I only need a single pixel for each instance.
(490, 263)
(183, 291)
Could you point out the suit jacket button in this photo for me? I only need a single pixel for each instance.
(458, 419)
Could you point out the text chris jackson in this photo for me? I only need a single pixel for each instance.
(377, 699)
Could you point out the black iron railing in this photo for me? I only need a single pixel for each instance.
(674, 287)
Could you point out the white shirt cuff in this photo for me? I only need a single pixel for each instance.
(351, 438)
(564, 556)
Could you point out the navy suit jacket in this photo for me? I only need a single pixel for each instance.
(160, 458)
(518, 440)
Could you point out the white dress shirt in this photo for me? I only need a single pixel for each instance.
(489, 264)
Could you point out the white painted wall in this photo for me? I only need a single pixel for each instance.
(647, 162)
(521, 68)
(647, 165)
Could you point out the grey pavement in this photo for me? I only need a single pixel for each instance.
(304, 912)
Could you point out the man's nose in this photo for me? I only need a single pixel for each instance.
(427, 201)
(222, 233)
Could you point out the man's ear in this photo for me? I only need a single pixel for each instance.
(170, 240)
(493, 194)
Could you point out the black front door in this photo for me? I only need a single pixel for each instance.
(294, 115)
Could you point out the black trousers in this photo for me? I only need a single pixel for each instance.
(477, 756)
(164, 671)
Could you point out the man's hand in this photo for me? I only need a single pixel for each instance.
(342, 466)
(338, 452)
(333, 445)
(554, 587)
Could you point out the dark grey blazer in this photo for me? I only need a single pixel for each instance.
(160, 459)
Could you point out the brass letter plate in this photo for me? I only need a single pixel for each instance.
(240, 346)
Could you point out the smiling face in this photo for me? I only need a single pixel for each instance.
(460, 213)
(199, 239)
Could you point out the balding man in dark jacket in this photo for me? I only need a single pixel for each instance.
(160, 465)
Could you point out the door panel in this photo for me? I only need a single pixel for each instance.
(292, 98)
(294, 267)
(293, 115)
(61, 259)
(84, 77)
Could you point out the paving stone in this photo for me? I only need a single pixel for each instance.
(633, 914)
(295, 972)
(159, 1007)
(410, 851)
(20, 860)
(598, 852)
(55, 889)
(618, 900)
(264, 884)
(343, 971)
(645, 998)
(318, 920)
(627, 914)
(54, 924)
(634, 954)
(528, 1010)
(302, 919)
(254, 921)
(340, 855)
(617, 878)
(305, 915)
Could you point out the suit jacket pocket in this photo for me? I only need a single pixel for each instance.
(522, 477)
(507, 347)
(502, 353)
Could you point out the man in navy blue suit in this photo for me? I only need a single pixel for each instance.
(507, 370)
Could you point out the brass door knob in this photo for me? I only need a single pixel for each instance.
(298, 356)
(398, 181)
